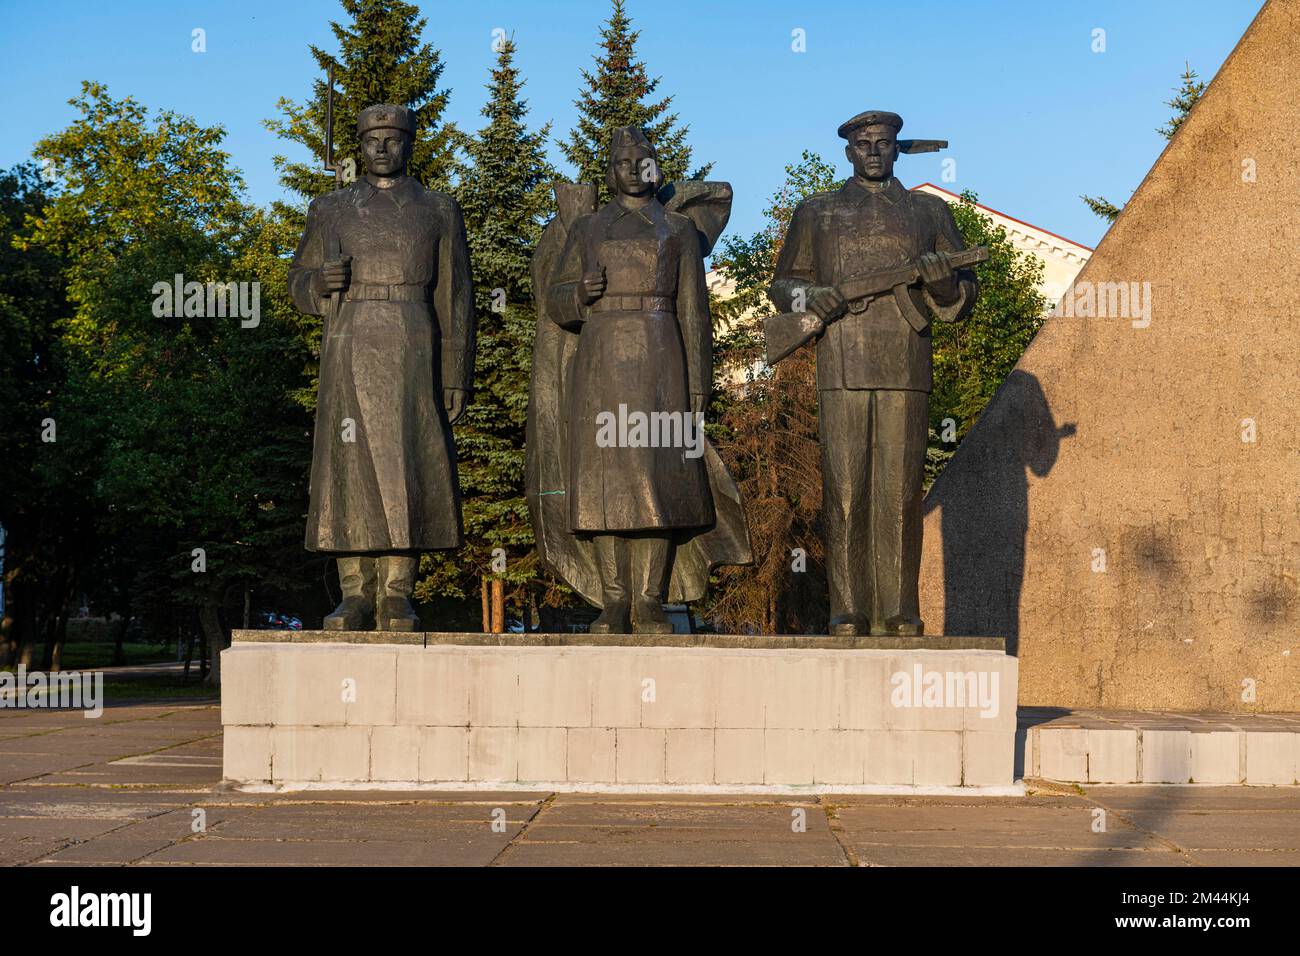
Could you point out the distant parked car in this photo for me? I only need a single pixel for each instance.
(514, 626)
(271, 621)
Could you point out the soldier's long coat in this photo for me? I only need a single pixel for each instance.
(555, 374)
(383, 367)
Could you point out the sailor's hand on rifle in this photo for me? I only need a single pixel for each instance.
(939, 279)
(334, 275)
(592, 286)
(827, 304)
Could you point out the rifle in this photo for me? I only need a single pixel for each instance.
(786, 332)
(333, 249)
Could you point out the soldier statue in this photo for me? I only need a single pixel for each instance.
(873, 365)
(624, 333)
(385, 261)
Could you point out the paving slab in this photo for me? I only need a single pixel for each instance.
(973, 826)
(460, 847)
(1018, 856)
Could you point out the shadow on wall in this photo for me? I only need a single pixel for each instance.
(983, 497)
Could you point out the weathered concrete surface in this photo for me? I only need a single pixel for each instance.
(97, 808)
(1152, 747)
(1199, 530)
(573, 715)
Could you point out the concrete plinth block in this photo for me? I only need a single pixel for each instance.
(493, 686)
(444, 754)
(1112, 756)
(433, 687)
(555, 687)
(788, 756)
(639, 755)
(923, 692)
(802, 690)
(591, 755)
(248, 683)
(246, 753)
(1166, 756)
(543, 754)
(689, 756)
(683, 693)
(311, 754)
(742, 693)
(1270, 757)
(1217, 757)
(839, 757)
(627, 712)
(494, 753)
(1062, 753)
(332, 685)
(394, 753)
(988, 759)
(618, 683)
(937, 757)
(738, 756)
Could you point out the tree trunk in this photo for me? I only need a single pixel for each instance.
(56, 626)
(498, 606)
(119, 652)
(248, 600)
(487, 607)
(214, 638)
(8, 626)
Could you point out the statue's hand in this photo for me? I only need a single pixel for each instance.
(334, 275)
(940, 281)
(827, 304)
(592, 286)
(453, 399)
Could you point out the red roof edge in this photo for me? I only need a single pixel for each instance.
(1012, 218)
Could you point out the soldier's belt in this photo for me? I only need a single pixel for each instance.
(387, 293)
(634, 303)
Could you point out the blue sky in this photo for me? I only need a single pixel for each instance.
(1035, 117)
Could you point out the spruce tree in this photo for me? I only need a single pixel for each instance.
(505, 193)
(619, 92)
(1185, 97)
(382, 60)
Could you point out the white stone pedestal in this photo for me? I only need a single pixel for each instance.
(689, 713)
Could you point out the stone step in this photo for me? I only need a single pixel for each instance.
(1148, 747)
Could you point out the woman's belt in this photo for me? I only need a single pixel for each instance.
(634, 303)
(387, 293)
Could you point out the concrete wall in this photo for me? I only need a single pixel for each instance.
(1105, 513)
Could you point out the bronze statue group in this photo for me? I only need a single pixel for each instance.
(623, 324)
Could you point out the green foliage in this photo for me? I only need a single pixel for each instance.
(186, 425)
(767, 432)
(504, 191)
(619, 92)
(1101, 207)
(1185, 97)
(972, 358)
(31, 366)
(381, 61)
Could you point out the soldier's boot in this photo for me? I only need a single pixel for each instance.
(652, 555)
(850, 625)
(612, 561)
(396, 573)
(356, 612)
(904, 626)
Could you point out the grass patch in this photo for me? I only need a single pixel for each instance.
(157, 690)
(92, 655)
